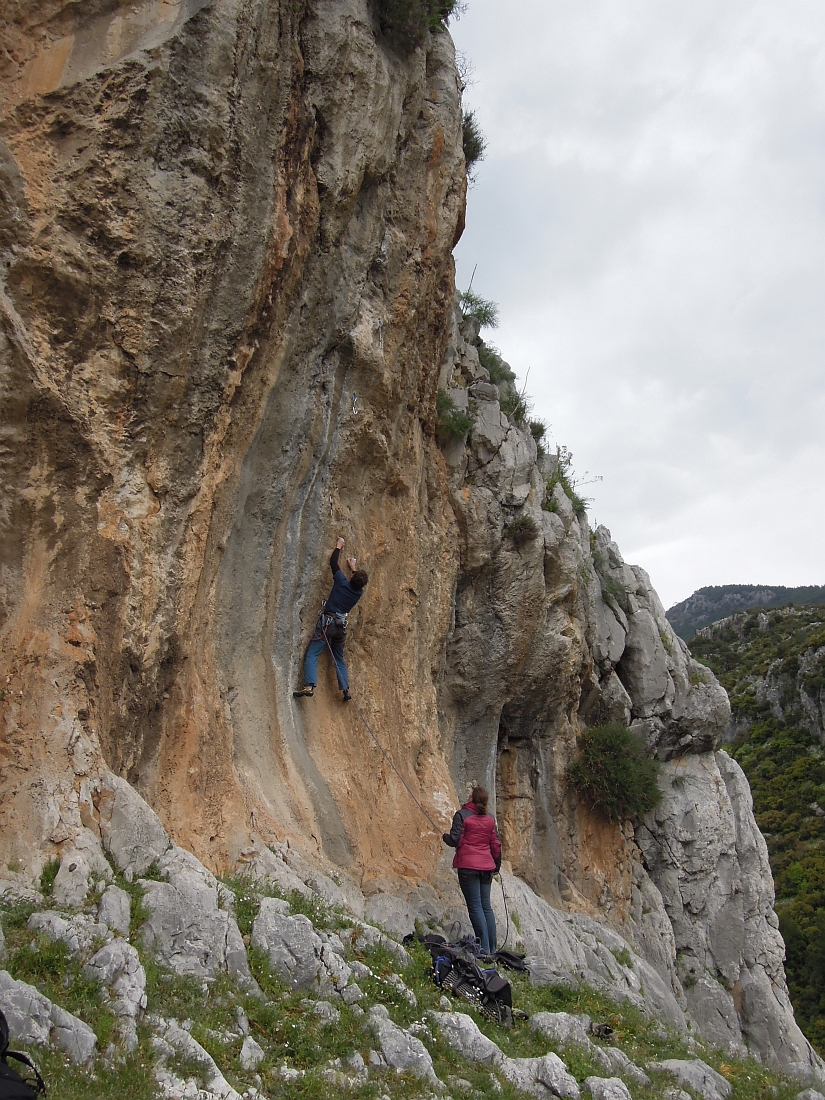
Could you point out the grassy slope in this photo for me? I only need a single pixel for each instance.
(289, 1033)
(785, 767)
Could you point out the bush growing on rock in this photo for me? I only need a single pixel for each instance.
(473, 142)
(480, 309)
(406, 22)
(453, 422)
(613, 774)
(521, 530)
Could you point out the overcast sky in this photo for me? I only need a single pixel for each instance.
(650, 218)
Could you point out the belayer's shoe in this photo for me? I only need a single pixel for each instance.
(308, 691)
(347, 697)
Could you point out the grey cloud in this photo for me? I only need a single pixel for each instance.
(651, 219)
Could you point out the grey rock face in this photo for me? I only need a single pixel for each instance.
(697, 1076)
(118, 970)
(132, 833)
(297, 952)
(464, 1036)
(77, 865)
(187, 929)
(115, 910)
(32, 1018)
(709, 860)
(170, 1037)
(543, 1077)
(606, 1088)
(402, 1051)
(575, 947)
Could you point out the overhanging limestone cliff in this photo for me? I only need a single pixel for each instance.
(228, 304)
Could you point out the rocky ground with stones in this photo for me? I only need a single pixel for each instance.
(149, 973)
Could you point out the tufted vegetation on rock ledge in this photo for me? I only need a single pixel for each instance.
(613, 774)
(562, 474)
(406, 22)
(453, 422)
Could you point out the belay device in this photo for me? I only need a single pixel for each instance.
(12, 1085)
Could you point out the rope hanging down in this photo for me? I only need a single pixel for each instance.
(403, 782)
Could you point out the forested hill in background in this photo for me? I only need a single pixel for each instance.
(708, 605)
(772, 664)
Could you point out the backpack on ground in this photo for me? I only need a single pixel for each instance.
(12, 1085)
(459, 973)
(512, 960)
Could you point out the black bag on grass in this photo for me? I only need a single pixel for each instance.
(512, 960)
(12, 1085)
(453, 970)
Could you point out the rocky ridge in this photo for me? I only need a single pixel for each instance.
(228, 304)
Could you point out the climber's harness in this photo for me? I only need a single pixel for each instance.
(332, 627)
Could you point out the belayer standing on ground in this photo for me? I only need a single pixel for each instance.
(331, 627)
(478, 857)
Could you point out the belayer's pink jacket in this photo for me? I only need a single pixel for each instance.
(475, 838)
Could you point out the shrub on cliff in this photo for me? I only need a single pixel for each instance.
(521, 530)
(480, 309)
(563, 475)
(406, 22)
(453, 422)
(473, 142)
(613, 774)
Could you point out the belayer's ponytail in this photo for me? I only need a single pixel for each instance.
(479, 799)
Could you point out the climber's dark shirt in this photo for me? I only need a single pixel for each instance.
(343, 596)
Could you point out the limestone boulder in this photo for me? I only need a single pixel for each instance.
(297, 952)
(80, 862)
(172, 1042)
(606, 1088)
(402, 1051)
(463, 1035)
(115, 909)
(33, 1018)
(80, 932)
(544, 1077)
(187, 928)
(131, 831)
(697, 1076)
(117, 969)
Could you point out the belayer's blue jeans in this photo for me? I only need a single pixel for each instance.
(475, 886)
(314, 650)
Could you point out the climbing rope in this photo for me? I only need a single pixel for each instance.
(406, 787)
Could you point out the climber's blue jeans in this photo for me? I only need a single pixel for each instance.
(476, 893)
(314, 649)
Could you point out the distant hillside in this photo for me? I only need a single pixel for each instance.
(707, 605)
(773, 667)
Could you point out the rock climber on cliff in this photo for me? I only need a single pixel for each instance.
(331, 628)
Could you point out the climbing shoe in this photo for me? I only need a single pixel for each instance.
(307, 691)
(347, 697)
